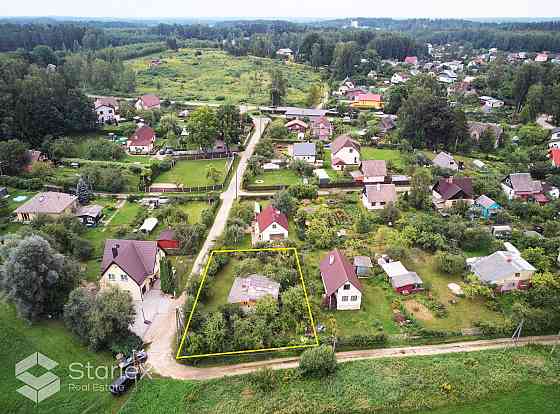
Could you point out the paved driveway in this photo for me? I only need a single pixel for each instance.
(155, 304)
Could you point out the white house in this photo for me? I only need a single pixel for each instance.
(131, 265)
(554, 141)
(344, 152)
(105, 113)
(343, 290)
(304, 151)
(399, 78)
(270, 225)
(377, 196)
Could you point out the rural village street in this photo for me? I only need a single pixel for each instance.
(161, 333)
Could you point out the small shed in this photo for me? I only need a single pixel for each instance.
(322, 175)
(89, 215)
(501, 232)
(149, 225)
(407, 283)
(168, 241)
(362, 264)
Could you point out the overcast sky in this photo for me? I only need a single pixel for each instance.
(282, 8)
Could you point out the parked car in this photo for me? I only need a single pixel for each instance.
(142, 357)
(121, 385)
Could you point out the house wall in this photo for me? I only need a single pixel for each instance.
(24, 218)
(348, 155)
(508, 191)
(306, 158)
(405, 290)
(374, 179)
(105, 113)
(140, 149)
(273, 229)
(348, 304)
(129, 284)
(374, 206)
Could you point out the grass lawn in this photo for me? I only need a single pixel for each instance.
(215, 76)
(381, 386)
(18, 340)
(219, 288)
(394, 156)
(277, 177)
(193, 173)
(464, 312)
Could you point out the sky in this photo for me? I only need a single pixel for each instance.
(285, 8)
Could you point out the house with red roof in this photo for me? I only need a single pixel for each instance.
(131, 265)
(321, 128)
(521, 186)
(270, 225)
(368, 101)
(296, 126)
(147, 102)
(344, 152)
(554, 155)
(142, 141)
(448, 191)
(343, 290)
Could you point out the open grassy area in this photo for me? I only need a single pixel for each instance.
(215, 76)
(381, 386)
(391, 155)
(461, 314)
(18, 340)
(277, 177)
(193, 173)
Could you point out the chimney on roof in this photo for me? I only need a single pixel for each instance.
(331, 259)
(115, 249)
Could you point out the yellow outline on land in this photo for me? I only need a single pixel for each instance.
(179, 356)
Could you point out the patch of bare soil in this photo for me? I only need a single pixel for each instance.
(418, 310)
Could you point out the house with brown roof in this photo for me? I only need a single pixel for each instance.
(296, 126)
(377, 196)
(50, 203)
(521, 186)
(270, 225)
(343, 290)
(246, 291)
(374, 171)
(448, 191)
(345, 152)
(321, 128)
(142, 141)
(147, 102)
(131, 265)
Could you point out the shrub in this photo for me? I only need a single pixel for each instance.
(264, 379)
(318, 362)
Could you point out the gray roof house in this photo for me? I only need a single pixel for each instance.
(362, 264)
(305, 151)
(246, 291)
(504, 270)
(445, 160)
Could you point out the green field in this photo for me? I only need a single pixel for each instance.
(477, 380)
(193, 173)
(277, 177)
(391, 155)
(19, 339)
(215, 76)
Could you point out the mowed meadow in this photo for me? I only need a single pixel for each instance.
(213, 75)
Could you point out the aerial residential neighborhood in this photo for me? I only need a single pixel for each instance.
(310, 214)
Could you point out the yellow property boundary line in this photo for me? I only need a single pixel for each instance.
(270, 249)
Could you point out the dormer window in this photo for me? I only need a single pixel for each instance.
(347, 286)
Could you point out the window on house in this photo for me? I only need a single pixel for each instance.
(353, 298)
(382, 203)
(273, 225)
(111, 276)
(350, 150)
(345, 298)
(347, 286)
(124, 278)
(518, 275)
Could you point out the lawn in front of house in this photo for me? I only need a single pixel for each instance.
(392, 155)
(283, 176)
(192, 173)
(19, 339)
(464, 312)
